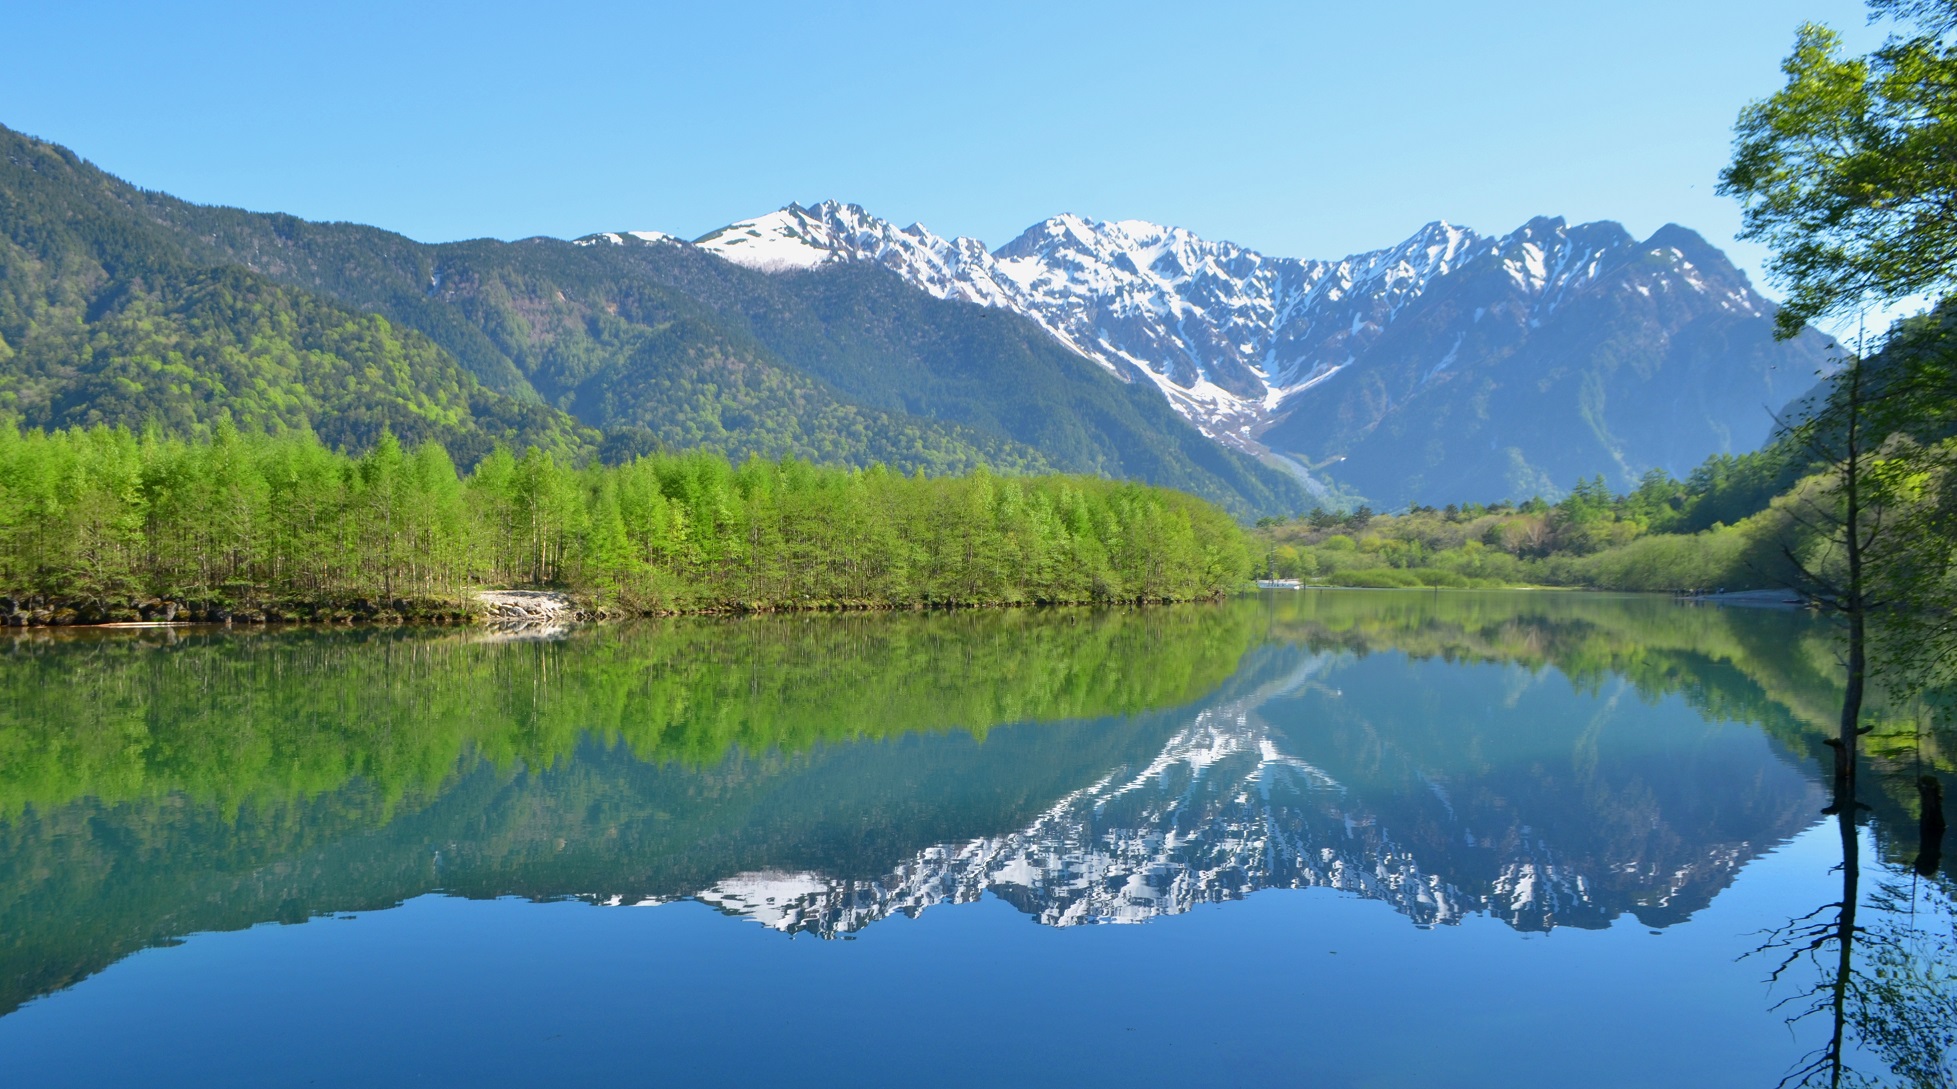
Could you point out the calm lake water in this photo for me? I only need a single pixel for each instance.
(1324, 838)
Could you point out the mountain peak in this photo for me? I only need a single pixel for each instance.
(1232, 337)
(793, 237)
(1690, 244)
(618, 238)
(1674, 234)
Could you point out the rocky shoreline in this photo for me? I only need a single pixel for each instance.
(39, 611)
(491, 608)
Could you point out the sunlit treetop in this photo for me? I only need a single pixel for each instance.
(1849, 172)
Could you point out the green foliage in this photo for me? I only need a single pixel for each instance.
(1718, 559)
(104, 321)
(1846, 172)
(101, 514)
(233, 720)
(1847, 175)
(1731, 487)
(846, 366)
(1915, 377)
(1665, 535)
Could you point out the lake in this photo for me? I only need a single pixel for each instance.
(1326, 838)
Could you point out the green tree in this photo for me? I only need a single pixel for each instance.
(100, 517)
(1846, 172)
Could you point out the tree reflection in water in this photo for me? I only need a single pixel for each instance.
(1884, 980)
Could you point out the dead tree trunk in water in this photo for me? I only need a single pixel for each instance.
(1929, 850)
(1851, 892)
(1853, 599)
(1838, 436)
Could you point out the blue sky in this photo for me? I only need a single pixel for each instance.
(1306, 129)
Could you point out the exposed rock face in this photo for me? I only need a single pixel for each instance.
(529, 613)
(1453, 365)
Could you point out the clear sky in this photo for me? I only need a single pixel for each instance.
(1304, 129)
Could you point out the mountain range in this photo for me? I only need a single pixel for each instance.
(1453, 366)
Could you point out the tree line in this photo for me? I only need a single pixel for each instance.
(248, 519)
(1737, 522)
(1664, 535)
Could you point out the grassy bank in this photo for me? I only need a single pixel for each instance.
(1593, 540)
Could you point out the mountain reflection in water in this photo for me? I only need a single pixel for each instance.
(1561, 809)
(1548, 760)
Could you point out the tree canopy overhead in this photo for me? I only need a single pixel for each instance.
(1849, 172)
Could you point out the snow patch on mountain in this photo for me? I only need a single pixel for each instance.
(617, 238)
(772, 243)
(1232, 337)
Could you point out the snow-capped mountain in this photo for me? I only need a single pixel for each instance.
(1447, 367)
(1308, 358)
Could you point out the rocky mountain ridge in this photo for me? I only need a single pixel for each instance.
(1307, 362)
(1451, 367)
(120, 305)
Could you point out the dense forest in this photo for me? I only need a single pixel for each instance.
(104, 319)
(102, 520)
(125, 306)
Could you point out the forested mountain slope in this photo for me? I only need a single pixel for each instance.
(883, 343)
(103, 319)
(669, 346)
(850, 364)
(1452, 365)
(112, 311)
(588, 333)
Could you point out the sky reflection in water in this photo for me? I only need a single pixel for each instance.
(1529, 834)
